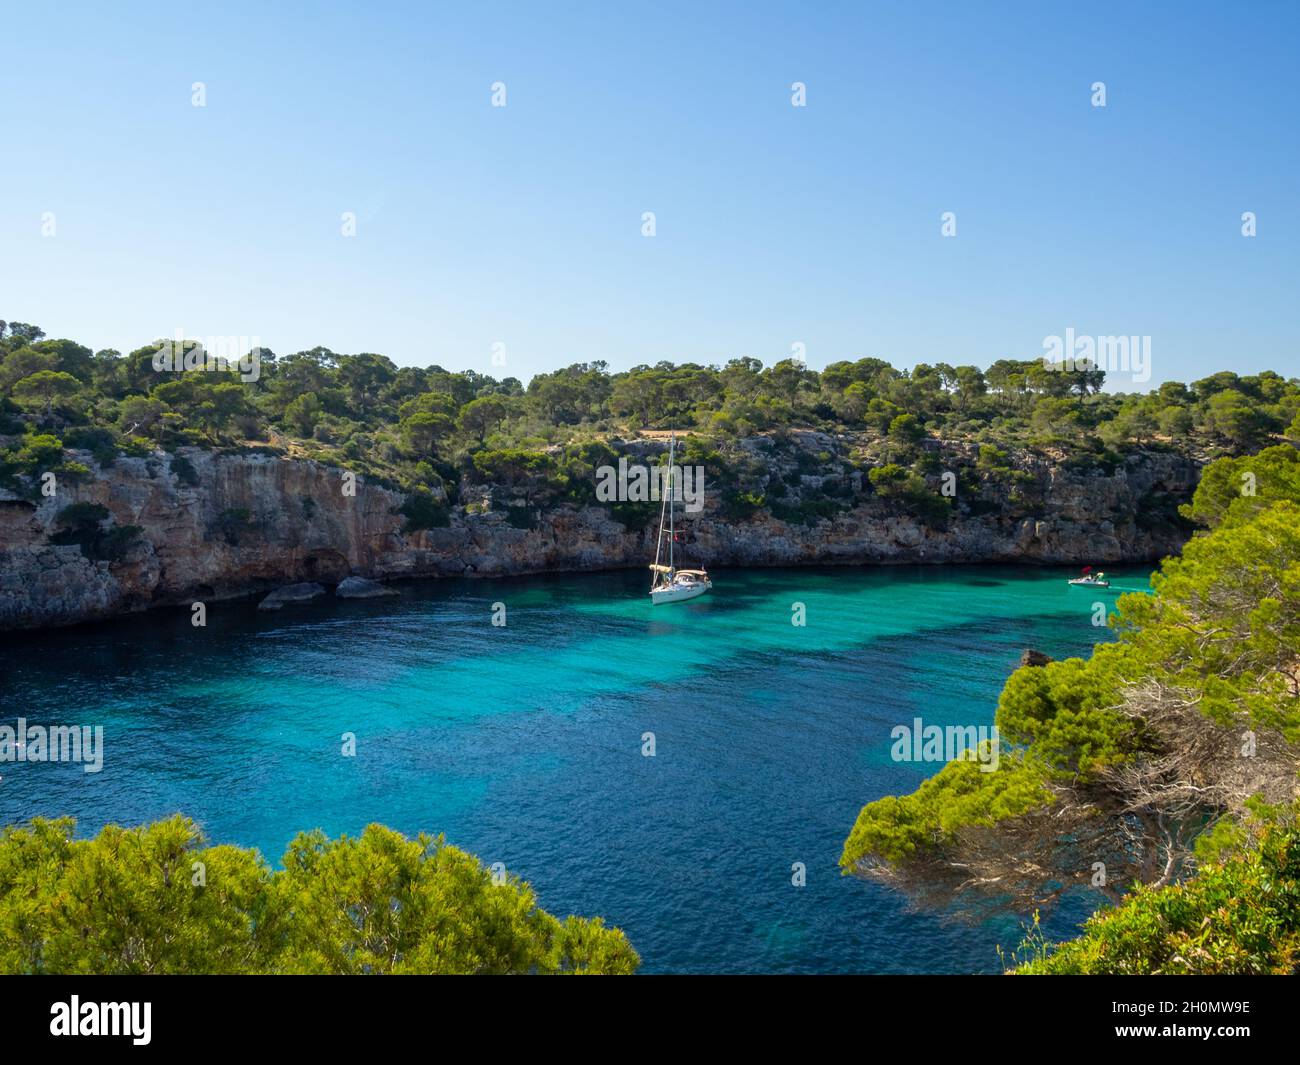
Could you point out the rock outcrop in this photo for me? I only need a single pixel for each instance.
(303, 592)
(226, 525)
(361, 588)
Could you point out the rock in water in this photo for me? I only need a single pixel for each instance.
(1034, 658)
(361, 588)
(291, 593)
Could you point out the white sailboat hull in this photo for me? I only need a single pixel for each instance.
(676, 593)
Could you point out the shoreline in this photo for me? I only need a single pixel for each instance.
(241, 526)
(251, 598)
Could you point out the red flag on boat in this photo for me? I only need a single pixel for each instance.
(1087, 569)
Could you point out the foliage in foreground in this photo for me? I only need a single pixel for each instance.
(156, 899)
(1237, 916)
(1112, 768)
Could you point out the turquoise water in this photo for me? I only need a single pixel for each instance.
(523, 743)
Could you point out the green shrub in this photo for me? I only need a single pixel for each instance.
(184, 470)
(375, 904)
(1238, 916)
(83, 524)
(423, 511)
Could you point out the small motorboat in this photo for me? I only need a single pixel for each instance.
(1088, 579)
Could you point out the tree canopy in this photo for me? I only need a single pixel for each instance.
(1119, 769)
(158, 899)
(424, 425)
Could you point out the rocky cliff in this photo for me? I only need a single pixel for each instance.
(215, 526)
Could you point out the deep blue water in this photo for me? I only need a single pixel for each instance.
(523, 743)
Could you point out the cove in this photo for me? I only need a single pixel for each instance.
(523, 743)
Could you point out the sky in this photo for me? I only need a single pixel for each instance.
(509, 240)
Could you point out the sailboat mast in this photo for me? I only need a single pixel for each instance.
(672, 452)
(659, 545)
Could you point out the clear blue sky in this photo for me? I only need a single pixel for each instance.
(776, 225)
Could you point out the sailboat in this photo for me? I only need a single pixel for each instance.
(668, 584)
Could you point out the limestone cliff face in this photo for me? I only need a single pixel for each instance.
(232, 525)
